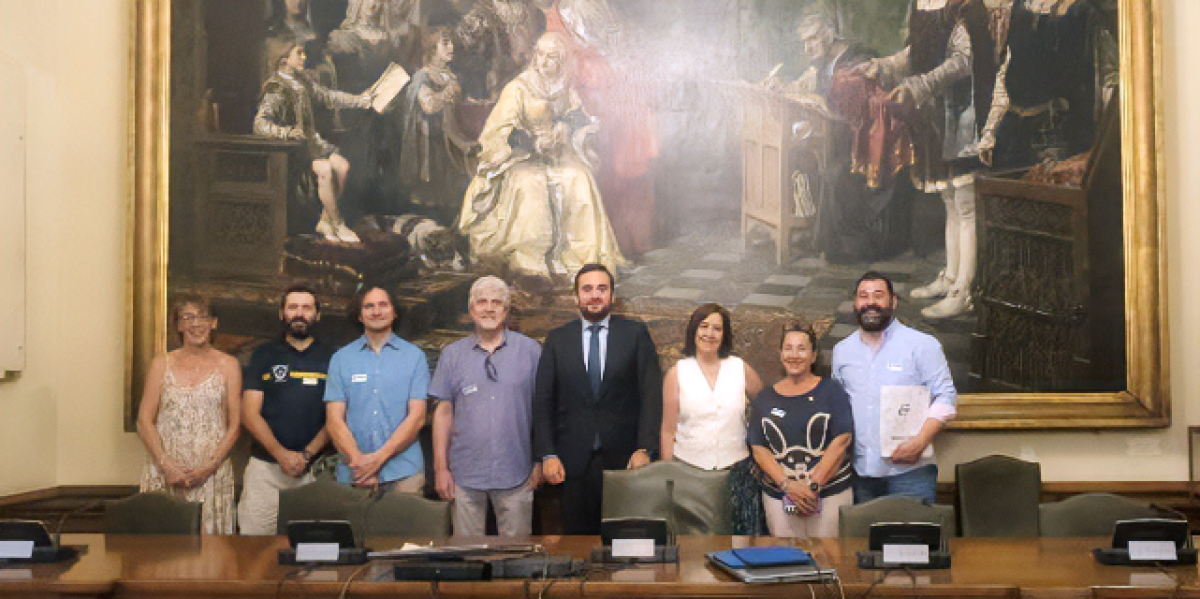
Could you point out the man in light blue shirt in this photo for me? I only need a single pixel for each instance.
(375, 401)
(884, 353)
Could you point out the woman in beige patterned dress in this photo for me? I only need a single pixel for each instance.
(188, 418)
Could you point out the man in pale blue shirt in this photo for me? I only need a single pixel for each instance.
(884, 353)
(375, 401)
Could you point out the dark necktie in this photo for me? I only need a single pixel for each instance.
(593, 361)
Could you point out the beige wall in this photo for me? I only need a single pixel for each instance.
(60, 421)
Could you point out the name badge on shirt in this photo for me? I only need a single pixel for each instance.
(778, 412)
(895, 367)
(311, 382)
(358, 378)
(469, 389)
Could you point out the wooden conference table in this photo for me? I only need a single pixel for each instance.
(232, 566)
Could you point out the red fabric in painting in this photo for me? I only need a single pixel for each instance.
(882, 143)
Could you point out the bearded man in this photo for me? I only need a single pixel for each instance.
(886, 360)
(284, 410)
(597, 400)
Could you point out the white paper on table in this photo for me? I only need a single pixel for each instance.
(633, 547)
(905, 554)
(902, 410)
(317, 552)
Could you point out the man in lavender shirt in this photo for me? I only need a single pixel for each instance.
(885, 353)
(482, 423)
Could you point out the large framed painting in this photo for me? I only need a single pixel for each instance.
(998, 160)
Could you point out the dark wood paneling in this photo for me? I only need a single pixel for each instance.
(75, 508)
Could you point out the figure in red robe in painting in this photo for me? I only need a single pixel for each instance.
(627, 140)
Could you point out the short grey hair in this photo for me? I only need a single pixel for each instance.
(489, 283)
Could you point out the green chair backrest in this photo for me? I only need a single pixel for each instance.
(403, 514)
(152, 513)
(998, 496)
(1089, 515)
(856, 520)
(701, 498)
(322, 500)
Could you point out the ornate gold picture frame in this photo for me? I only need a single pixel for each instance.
(1145, 401)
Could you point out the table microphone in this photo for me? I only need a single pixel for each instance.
(671, 524)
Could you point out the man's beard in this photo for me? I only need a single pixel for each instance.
(874, 318)
(298, 328)
(595, 316)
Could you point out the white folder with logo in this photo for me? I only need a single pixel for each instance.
(902, 412)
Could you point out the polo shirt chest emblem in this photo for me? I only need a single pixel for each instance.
(280, 373)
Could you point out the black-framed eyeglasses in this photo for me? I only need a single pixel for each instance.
(489, 368)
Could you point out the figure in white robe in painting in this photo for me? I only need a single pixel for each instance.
(533, 208)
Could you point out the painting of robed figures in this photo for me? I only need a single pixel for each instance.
(761, 154)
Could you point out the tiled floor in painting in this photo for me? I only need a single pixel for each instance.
(715, 267)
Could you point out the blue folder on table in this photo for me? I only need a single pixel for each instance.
(778, 563)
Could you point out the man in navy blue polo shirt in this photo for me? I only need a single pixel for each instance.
(375, 401)
(282, 408)
(482, 446)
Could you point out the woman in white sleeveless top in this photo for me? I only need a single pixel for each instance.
(704, 410)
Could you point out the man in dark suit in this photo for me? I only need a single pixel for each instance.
(597, 400)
